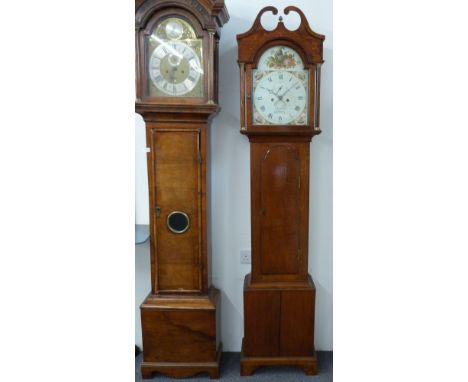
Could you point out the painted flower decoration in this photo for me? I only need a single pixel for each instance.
(288, 62)
(281, 60)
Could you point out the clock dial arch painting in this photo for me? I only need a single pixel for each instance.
(280, 88)
(175, 60)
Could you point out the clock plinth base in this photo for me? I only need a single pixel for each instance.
(181, 334)
(278, 325)
(182, 370)
(248, 365)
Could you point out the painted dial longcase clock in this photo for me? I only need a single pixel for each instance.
(280, 93)
(176, 94)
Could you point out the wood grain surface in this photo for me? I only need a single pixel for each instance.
(180, 317)
(279, 294)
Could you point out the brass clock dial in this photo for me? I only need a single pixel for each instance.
(174, 29)
(175, 60)
(175, 68)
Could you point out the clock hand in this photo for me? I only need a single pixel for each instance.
(276, 94)
(173, 72)
(282, 95)
(269, 91)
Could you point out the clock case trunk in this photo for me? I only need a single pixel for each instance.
(180, 317)
(279, 294)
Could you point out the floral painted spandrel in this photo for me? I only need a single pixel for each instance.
(280, 59)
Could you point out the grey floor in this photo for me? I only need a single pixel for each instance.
(230, 371)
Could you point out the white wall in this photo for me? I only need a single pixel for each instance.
(231, 177)
(141, 176)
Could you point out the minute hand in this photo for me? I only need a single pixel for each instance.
(282, 95)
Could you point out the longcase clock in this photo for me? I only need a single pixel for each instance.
(176, 94)
(280, 93)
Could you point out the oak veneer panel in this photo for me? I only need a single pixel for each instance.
(176, 187)
(179, 316)
(279, 209)
(297, 323)
(178, 335)
(261, 331)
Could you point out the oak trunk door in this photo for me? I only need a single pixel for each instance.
(279, 210)
(177, 185)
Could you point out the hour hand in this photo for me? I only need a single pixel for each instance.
(172, 75)
(269, 91)
(277, 92)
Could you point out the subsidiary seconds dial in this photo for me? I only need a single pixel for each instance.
(280, 97)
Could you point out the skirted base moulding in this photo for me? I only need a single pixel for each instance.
(249, 364)
(182, 370)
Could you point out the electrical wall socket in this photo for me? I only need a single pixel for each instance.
(245, 256)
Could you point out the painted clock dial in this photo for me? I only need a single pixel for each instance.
(175, 65)
(280, 88)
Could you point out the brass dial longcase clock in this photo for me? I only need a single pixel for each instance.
(176, 86)
(280, 93)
